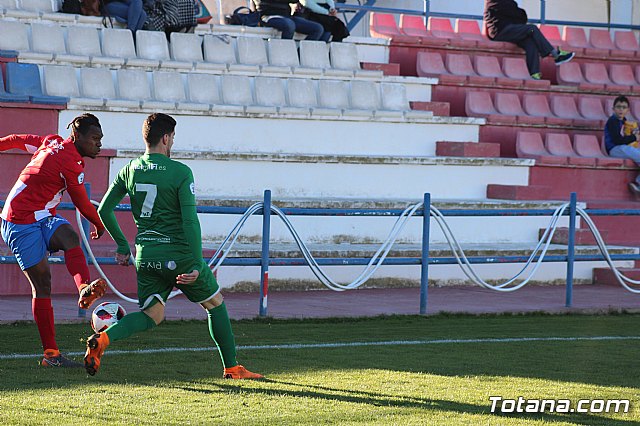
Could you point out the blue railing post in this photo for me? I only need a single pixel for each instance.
(424, 276)
(571, 249)
(543, 11)
(82, 313)
(427, 9)
(264, 263)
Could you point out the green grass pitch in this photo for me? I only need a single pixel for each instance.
(424, 383)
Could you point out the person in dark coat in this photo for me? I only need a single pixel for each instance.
(505, 21)
(324, 12)
(277, 14)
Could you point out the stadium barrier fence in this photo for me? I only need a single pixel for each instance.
(265, 261)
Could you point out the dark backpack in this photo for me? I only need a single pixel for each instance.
(243, 16)
(72, 6)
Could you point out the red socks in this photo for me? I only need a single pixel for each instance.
(43, 315)
(77, 266)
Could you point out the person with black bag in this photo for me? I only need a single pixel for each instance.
(170, 16)
(324, 12)
(277, 14)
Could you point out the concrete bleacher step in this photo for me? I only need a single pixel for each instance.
(323, 174)
(605, 276)
(467, 149)
(617, 229)
(441, 109)
(517, 192)
(583, 237)
(387, 69)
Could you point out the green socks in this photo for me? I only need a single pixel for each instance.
(219, 329)
(222, 335)
(129, 325)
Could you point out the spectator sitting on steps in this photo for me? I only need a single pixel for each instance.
(324, 12)
(277, 14)
(505, 21)
(621, 136)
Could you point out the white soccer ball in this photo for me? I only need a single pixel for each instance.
(105, 315)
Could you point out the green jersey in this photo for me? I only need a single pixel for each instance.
(163, 204)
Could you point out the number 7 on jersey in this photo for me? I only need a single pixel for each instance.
(151, 191)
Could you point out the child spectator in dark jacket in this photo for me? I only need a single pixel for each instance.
(617, 143)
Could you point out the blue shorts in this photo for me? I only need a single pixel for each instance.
(29, 243)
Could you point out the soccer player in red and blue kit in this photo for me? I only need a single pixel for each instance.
(31, 227)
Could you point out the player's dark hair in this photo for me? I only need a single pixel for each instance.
(621, 98)
(83, 123)
(156, 126)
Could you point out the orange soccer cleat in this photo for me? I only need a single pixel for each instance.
(239, 372)
(96, 346)
(92, 292)
(53, 358)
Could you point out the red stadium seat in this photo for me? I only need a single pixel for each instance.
(538, 106)
(479, 104)
(517, 68)
(488, 66)
(565, 107)
(441, 27)
(591, 108)
(383, 25)
(626, 40)
(575, 37)
(559, 144)
(596, 73)
(622, 74)
(460, 64)
(570, 73)
(635, 109)
(469, 29)
(413, 25)
(551, 33)
(601, 39)
(429, 64)
(589, 146)
(509, 104)
(529, 145)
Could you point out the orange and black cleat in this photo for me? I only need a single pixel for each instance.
(96, 346)
(92, 292)
(53, 358)
(239, 372)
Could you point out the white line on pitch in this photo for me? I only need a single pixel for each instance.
(347, 344)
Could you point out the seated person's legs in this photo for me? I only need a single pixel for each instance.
(285, 25)
(534, 43)
(313, 30)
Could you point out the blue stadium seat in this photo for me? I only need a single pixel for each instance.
(6, 97)
(24, 79)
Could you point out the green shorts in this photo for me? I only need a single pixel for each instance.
(157, 278)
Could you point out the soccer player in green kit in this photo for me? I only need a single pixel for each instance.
(168, 247)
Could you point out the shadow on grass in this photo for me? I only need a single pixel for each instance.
(384, 400)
